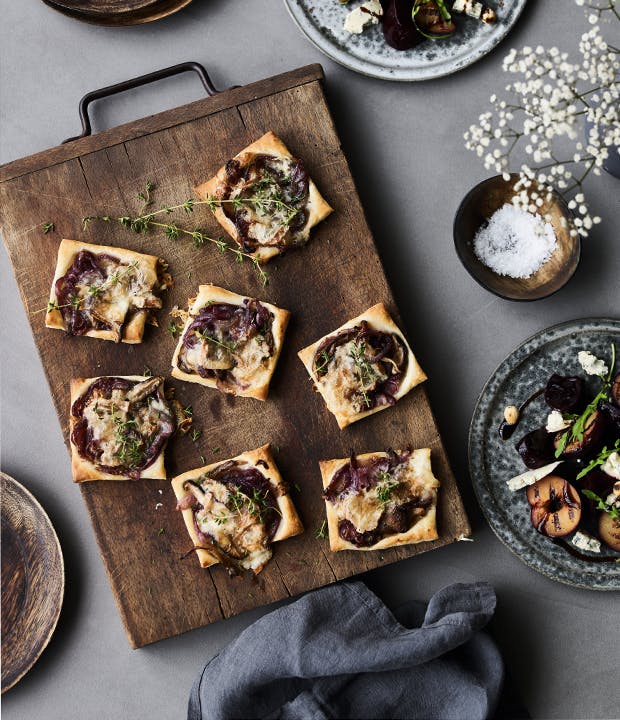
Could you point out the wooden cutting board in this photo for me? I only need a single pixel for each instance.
(338, 275)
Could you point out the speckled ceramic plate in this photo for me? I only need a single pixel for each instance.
(492, 461)
(322, 22)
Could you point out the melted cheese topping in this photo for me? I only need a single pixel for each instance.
(232, 526)
(268, 221)
(345, 383)
(107, 417)
(365, 508)
(247, 363)
(124, 287)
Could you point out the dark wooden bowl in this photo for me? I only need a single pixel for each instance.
(33, 580)
(117, 13)
(478, 206)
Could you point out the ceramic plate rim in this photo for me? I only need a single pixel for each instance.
(508, 536)
(382, 72)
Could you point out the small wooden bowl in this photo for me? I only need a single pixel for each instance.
(478, 206)
(33, 580)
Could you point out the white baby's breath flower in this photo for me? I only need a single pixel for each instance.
(552, 94)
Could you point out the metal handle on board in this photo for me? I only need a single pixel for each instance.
(137, 82)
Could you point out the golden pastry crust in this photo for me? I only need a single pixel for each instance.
(258, 382)
(317, 208)
(345, 413)
(124, 313)
(290, 524)
(424, 529)
(82, 468)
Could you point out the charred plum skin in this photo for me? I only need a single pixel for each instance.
(565, 393)
(593, 436)
(557, 507)
(536, 448)
(609, 531)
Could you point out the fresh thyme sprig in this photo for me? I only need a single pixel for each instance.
(172, 231)
(321, 532)
(324, 358)
(145, 196)
(145, 221)
(48, 227)
(366, 373)
(130, 444)
(203, 335)
(173, 329)
(385, 487)
(256, 505)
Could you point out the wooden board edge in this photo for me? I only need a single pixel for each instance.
(99, 537)
(231, 97)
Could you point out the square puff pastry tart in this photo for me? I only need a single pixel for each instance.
(217, 504)
(362, 367)
(230, 342)
(119, 426)
(395, 503)
(114, 290)
(266, 231)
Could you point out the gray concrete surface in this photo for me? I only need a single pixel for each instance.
(404, 143)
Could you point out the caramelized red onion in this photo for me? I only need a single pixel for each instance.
(83, 437)
(85, 270)
(292, 187)
(229, 324)
(356, 477)
(384, 349)
(252, 483)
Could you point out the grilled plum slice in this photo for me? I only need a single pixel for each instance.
(565, 392)
(593, 435)
(555, 506)
(398, 27)
(614, 391)
(612, 411)
(609, 531)
(536, 448)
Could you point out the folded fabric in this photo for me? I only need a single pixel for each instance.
(339, 652)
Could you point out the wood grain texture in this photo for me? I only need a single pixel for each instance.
(33, 580)
(117, 13)
(337, 276)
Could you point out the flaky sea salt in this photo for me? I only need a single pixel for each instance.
(514, 242)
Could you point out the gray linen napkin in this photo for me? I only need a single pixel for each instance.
(339, 652)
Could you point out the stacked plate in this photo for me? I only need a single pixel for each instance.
(117, 12)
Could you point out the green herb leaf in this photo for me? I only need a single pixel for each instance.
(599, 459)
(48, 227)
(321, 532)
(602, 505)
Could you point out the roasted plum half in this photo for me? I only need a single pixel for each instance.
(609, 531)
(591, 439)
(555, 506)
(565, 393)
(536, 448)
